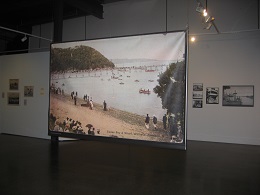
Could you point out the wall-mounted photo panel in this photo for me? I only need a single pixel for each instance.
(212, 95)
(123, 89)
(28, 91)
(238, 95)
(197, 103)
(13, 98)
(13, 84)
(197, 94)
(197, 86)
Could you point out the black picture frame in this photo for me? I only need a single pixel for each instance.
(212, 95)
(13, 84)
(238, 95)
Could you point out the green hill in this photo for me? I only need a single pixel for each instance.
(78, 58)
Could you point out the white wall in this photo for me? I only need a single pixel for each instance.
(214, 60)
(31, 70)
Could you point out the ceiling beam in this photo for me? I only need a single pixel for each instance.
(88, 7)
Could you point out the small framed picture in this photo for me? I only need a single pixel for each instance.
(13, 84)
(28, 91)
(197, 103)
(212, 95)
(197, 94)
(197, 86)
(13, 98)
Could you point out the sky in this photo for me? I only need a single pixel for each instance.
(170, 46)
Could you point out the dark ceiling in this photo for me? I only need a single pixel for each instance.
(21, 15)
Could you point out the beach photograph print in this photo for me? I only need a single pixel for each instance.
(131, 88)
(238, 95)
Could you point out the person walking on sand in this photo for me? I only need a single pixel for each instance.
(155, 122)
(147, 120)
(164, 121)
(91, 105)
(75, 100)
(105, 105)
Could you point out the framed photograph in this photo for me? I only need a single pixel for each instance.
(28, 91)
(128, 89)
(197, 94)
(212, 95)
(13, 98)
(13, 84)
(238, 95)
(197, 103)
(197, 86)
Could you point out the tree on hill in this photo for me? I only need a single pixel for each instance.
(171, 89)
(78, 58)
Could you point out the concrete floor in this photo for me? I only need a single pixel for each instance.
(37, 166)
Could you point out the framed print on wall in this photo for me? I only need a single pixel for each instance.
(13, 98)
(13, 84)
(197, 86)
(123, 89)
(28, 91)
(212, 95)
(238, 95)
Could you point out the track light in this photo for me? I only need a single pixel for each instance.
(24, 38)
(208, 26)
(209, 19)
(199, 8)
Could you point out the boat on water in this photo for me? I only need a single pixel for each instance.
(144, 91)
(149, 70)
(232, 99)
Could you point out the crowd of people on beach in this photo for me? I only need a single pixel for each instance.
(69, 125)
(170, 123)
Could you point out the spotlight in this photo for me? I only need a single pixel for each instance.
(192, 39)
(209, 19)
(205, 13)
(24, 38)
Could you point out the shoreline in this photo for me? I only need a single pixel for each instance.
(110, 123)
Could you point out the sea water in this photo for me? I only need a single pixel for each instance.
(118, 87)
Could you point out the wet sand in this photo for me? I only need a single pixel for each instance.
(111, 123)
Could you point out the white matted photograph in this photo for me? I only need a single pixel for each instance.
(28, 91)
(197, 103)
(13, 84)
(197, 94)
(197, 86)
(238, 95)
(13, 98)
(212, 95)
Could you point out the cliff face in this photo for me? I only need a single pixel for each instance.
(78, 58)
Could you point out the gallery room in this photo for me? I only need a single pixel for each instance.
(130, 97)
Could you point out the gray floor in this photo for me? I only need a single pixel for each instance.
(36, 166)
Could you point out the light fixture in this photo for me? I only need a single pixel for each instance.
(192, 39)
(199, 8)
(208, 26)
(209, 19)
(24, 33)
(205, 13)
(24, 38)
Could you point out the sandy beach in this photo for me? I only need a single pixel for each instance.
(111, 123)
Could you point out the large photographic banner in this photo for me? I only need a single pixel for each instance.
(127, 89)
